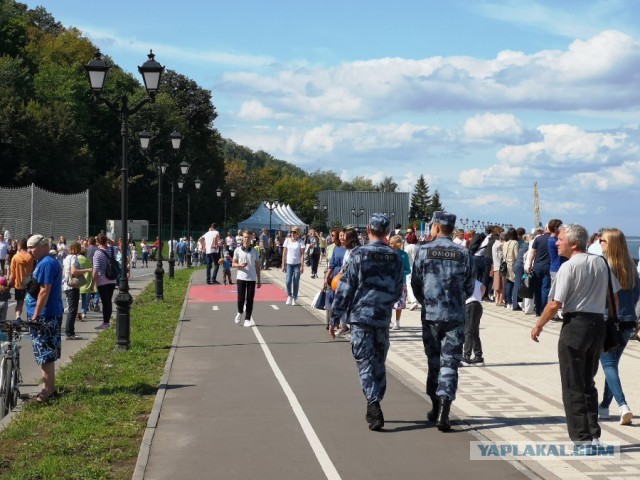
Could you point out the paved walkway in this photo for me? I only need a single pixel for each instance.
(216, 416)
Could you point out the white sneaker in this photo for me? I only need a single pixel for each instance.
(249, 323)
(625, 415)
(293, 302)
(396, 326)
(413, 306)
(289, 300)
(238, 318)
(603, 413)
(596, 442)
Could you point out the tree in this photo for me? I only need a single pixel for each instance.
(387, 185)
(420, 200)
(359, 184)
(435, 205)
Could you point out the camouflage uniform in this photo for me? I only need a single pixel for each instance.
(370, 285)
(442, 280)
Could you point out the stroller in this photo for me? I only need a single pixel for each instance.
(152, 253)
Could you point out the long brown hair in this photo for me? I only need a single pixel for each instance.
(619, 258)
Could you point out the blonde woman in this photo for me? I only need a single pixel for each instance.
(616, 252)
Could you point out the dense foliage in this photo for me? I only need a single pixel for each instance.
(53, 134)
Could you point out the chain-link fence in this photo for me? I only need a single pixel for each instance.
(31, 209)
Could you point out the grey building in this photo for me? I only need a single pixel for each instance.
(355, 208)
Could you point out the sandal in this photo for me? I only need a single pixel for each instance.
(39, 398)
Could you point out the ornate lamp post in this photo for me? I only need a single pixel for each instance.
(271, 206)
(184, 169)
(197, 183)
(145, 140)
(357, 215)
(151, 73)
(464, 222)
(219, 192)
(323, 213)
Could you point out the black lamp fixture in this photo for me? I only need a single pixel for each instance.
(145, 142)
(219, 193)
(151, 72)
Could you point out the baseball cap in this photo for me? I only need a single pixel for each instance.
(379, 222)
(443, 218)
(36, 241)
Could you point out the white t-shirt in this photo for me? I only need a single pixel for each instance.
(294, 251)
(581, 284)
(211, 241)
(251, 258)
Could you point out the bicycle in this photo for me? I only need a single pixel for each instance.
(10, 376)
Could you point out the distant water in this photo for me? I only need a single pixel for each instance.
(634, 247)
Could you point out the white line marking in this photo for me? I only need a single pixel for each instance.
(215, 308)
(321, 454)
(275, 307)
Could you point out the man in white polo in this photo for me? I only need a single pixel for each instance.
(210, 245)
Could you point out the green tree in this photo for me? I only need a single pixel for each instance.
(359, 184)
(387, 185)
(435, 205)
(420, 200)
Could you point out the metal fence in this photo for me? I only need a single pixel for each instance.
(31, 209)
(340, 204)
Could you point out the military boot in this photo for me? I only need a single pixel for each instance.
(432, 415)
(374, 416)
(443, 415)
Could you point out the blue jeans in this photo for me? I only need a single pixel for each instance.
(610, 361)
(212, 258)
(84, 298)
(542, 286)
(293, 276)
(518, 270)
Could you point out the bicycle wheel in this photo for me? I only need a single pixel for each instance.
(5, 386)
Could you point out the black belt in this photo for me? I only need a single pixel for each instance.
(583, 315)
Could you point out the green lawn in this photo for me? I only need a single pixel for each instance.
(93, 429)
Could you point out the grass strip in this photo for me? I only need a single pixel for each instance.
(93, 429)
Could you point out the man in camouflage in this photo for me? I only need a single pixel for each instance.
(442, 280)
(370, 285)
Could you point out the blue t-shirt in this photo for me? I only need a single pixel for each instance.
(556, 260)
(336, 259)
(542, 262)
(48, 272)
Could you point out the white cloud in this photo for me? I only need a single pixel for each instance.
(491, 126)
(254, 110)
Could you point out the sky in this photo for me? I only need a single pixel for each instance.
(482, 97)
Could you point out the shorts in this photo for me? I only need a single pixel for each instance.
(402, 303)
(20, 295)
(47, 341)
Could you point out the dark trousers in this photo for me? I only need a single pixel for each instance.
(473, 314)
(442, 343)
(541, 288)
(315, 259)
(518, 270)
(478, 264)
(579, 349)
(246, 292)
(73, 297)
(487, 280)
(212, 259)
(106, 296)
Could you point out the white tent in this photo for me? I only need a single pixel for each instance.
(282, 218)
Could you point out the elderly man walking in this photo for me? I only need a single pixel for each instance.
(580, 289)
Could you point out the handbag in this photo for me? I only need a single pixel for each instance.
(320, 299)
(613, 337)
(335, 281)
(526, 286)
(77, 282)
(503, 268)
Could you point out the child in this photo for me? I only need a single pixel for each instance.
(226, 267)
(473, 314)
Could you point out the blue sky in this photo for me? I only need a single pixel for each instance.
(482, 97)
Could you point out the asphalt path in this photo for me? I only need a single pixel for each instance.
(282, 401)
(31, 372)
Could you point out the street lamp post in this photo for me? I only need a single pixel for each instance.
(357, 215)
(219, 192)
(176, 140)
(184, 169)
(197, 183)
(323, 213)
(151, 73)
(271, 206)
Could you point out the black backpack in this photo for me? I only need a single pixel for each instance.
(112, 272)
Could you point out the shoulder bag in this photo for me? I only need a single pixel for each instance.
(613, 337)
(75, 282)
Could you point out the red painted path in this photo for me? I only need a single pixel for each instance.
(228, 293)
